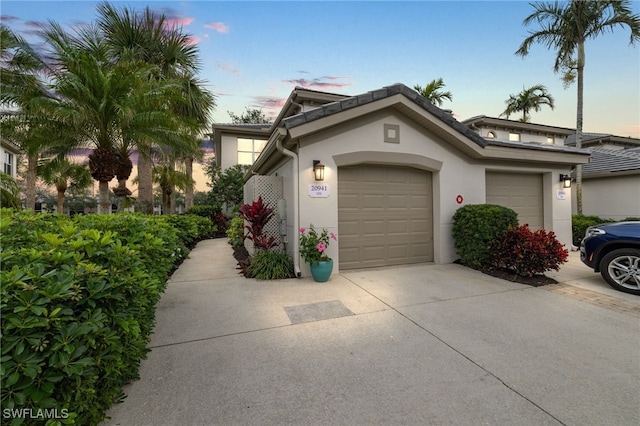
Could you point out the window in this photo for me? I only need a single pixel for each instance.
(491, 135)
(249, 150)
(550, 140)
(8, 163)
(514, 137)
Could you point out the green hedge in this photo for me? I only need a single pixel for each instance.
(476, 227)
(78, 303)
(580, 223)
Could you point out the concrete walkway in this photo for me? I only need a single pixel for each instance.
(412, 345)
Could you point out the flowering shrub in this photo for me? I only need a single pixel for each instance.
(258, 214)
(527, 252)
(313, 246)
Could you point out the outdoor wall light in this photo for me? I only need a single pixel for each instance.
(318, 170)
(566, 181)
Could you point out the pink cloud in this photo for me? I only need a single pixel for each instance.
(193, 40)
(220, 27)
(177, 22)
(228, 68)
(269, 103)
(324, 82)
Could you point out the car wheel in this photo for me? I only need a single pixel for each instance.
(621, 270)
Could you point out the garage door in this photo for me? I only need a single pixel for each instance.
(385, 216)
(520, 192)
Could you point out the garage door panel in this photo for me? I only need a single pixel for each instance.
(520, 192)
(385, 216)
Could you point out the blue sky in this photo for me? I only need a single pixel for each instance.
(254, 53)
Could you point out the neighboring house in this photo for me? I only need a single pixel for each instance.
(9, 153)
(611, 180)
(517, 131)
(396, 168)
(238, 143)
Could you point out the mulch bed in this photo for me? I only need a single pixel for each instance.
(534, 281)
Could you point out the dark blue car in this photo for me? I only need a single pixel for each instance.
(613, 249)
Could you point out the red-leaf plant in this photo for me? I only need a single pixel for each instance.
(258, 214)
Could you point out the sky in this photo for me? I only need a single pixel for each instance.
(254, 53)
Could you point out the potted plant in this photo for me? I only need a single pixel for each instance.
(313, 247)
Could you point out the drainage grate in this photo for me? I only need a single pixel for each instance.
(317, 311)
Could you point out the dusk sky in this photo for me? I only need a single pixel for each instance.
(254, 53)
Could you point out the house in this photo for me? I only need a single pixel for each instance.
(9, 153)
(611, 180)
(396, 168)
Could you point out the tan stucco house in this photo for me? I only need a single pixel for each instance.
(396, 168)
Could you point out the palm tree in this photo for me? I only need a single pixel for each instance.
(168, 178)
(434, 93)
(147, 37)
(565, 27)
(9, 191)
(63, 174)
(107, 103)
(529, 99)
(22, 90)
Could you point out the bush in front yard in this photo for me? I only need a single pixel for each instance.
(78, 300)
(270, 265)
(526, 252)
(580, 223)
(476, 227)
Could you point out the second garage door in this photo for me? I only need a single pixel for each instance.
(385, 216)
(520, 192)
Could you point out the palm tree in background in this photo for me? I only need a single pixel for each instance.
(434, 92)
(147, 37)
(107, 103)
(564, 28)
(9, 191)
(64, 175)
(529, 99)
(23, 92)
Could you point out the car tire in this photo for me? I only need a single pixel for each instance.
(621, 270)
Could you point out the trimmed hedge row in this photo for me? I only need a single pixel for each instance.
(78, 300)
(580, 223)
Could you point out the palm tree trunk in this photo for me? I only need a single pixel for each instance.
(104, 206)
(188, 194)
(32, 175)
(579, 114)
(145, 181)
(60, 207)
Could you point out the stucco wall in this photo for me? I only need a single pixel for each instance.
(453, 174)
(611, 197)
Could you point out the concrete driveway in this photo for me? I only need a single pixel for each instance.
(414, 345)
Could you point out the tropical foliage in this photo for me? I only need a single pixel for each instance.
(564, 27)
(529, 99)
(434, 92)
(64, 175)
(9, 191)
(258, 214)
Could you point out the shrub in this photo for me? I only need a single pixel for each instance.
(476, 227)
(270, 265)
(211, 212)
(580, 223)
(258, 215)
(527, 252)
(190, 228)
(235, 232)
(78, 303)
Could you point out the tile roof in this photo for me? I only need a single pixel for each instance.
(443, 115)
(612, 161)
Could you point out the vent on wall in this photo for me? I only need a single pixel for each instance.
(391, 133)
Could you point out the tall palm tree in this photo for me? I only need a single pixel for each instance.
(22, 90)
(564, 28)
(64, 174)
(434, 93)
(147, 37)
(107, 103)
(529, 99)
(168, 178)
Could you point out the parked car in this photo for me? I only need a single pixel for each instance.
(613, 249)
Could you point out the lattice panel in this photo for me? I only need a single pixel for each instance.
(270, 188)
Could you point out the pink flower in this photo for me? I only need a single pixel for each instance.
(302, 230)
(321, 247)
(332, 235)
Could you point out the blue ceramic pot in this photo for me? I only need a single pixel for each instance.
(321, 271)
